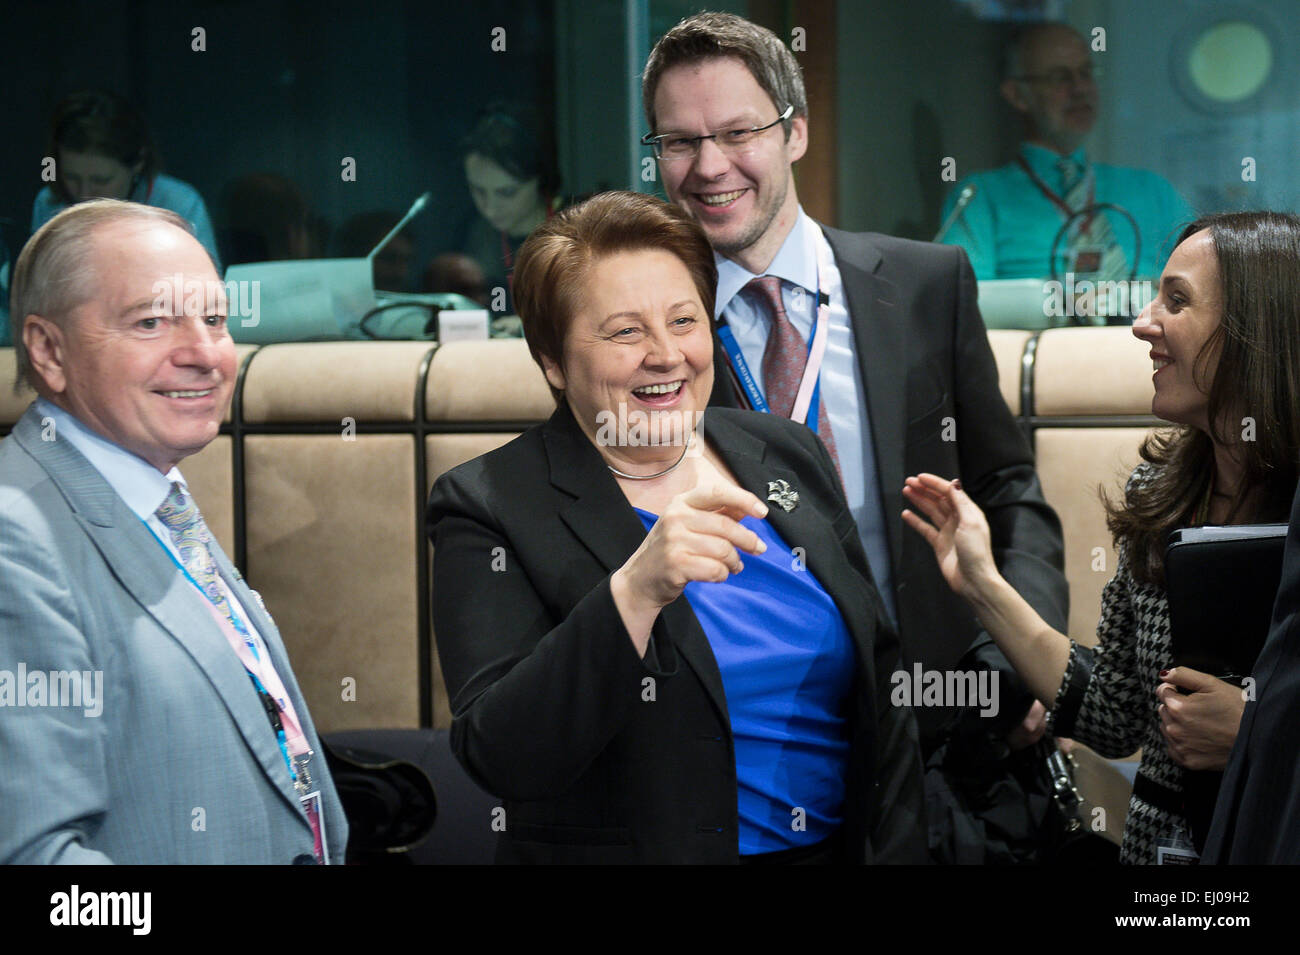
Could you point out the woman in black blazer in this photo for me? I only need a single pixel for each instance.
(616, 676)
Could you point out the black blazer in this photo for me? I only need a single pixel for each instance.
(599, 755)
(932, 395)
(1257, 817)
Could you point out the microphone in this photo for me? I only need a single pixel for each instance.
(411, 213)
(963, 200)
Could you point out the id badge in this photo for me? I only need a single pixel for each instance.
(311, 805)
(1086, 259)
(1175, 848)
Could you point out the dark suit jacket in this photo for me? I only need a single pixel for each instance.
(930, 377)
(599, 755)
(1257, 817)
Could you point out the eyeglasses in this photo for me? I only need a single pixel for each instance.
(1062, 77)
(671, 147)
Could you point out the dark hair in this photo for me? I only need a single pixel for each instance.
(707, 36)
(554, 261)
(102, 124)
(264, 217)
(517, 140)
(1257, 345)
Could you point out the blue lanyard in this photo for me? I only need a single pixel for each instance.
(745, 377)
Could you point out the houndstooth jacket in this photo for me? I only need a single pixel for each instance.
(1107, 698)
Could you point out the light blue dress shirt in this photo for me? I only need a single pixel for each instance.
(140, 485)
(842, 390)
(167, 193)
(1008, 227)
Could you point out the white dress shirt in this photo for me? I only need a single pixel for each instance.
(842, 390)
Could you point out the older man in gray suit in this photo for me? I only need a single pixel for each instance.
(148, 712)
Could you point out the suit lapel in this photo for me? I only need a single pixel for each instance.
(874, 315)
(144, 569)
(804, 527)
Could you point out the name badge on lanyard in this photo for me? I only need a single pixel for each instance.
(807, 399)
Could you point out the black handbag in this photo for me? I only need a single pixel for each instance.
(1068, 836)
(390, 804)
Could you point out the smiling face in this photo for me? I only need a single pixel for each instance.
(1056, 100)
(745, 201)
(91, 176)
(512, 206)
(640, 341)
(1177, 324)
(145, 363)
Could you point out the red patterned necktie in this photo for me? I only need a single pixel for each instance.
(784, 358)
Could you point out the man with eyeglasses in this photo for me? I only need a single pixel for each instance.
(1014, 216)
(875, 342)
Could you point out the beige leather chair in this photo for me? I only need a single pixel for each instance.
(1091, 411)
(319, 485)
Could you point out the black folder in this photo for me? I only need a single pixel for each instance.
(1221, 583)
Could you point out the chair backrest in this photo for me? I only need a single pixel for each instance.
(318, 483)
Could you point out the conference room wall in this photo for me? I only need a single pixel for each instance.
(1200, 151)
(916, 83)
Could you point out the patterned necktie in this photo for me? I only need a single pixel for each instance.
(784, 359)
(180, 515)
(1078, 190)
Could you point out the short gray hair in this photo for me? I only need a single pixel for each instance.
(54, 273)
(708, 36)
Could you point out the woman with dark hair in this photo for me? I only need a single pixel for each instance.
(1224, 331)
(510, 168)
(646, 661)
(102, 149)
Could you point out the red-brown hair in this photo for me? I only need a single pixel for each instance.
(554, 262)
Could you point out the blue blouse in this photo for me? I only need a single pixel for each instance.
(787, 663)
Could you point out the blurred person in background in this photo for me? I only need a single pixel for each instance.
(102, 149)
(1007, 229)
(361, 233)
(265, 217)
(510, 170)
(456, 272)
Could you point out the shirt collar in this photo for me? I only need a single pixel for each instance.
(1043, 161)
(139, 484)
(795, 262)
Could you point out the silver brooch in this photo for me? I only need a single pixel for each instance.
(782, 495)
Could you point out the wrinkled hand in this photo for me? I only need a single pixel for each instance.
(697, 537)
(957, 531)
(1200, 727)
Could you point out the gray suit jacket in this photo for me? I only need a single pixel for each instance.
(180, 766)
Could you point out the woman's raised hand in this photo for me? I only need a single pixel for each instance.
(956, 530)
(698, 537)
